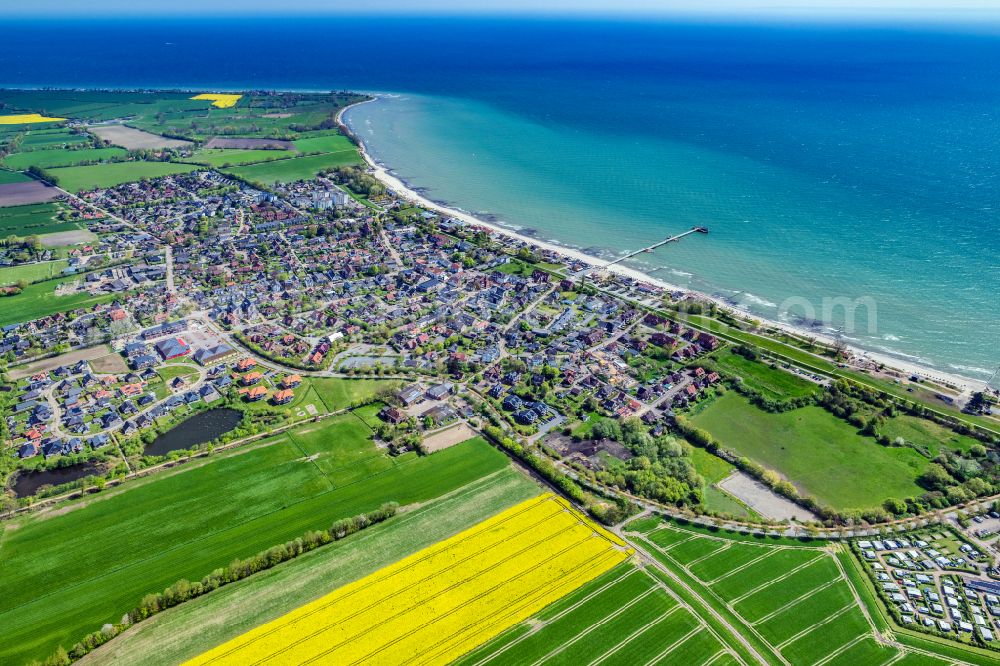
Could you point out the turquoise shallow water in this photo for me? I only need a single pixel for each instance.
(836, 162)
(777, 233)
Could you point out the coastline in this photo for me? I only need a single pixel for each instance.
(402, 189)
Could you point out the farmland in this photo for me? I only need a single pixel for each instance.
(822, 455)
(60, 158)
(79, 178)
(219, 100)
(41, 270)
(790, 599)
(624, 617)
(195, 627)
(50, 138)
(32, 220)
(7, 177)
(440, 602)
(39, 300)
(296, 168)
(135, 139)
(328, 143)
(26, 119)
(219, 157)
(233, 506)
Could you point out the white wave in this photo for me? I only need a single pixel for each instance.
(890, 337)
(747, 297)
(674, 271)
(971, 368)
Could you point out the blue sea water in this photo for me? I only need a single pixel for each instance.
(830, 162)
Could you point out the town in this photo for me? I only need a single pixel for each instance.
(173, 309)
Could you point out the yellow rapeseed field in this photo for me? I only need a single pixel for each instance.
(26, 118)
(219, 100)
(443, 601)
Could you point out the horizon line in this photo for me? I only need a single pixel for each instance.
(949, 16)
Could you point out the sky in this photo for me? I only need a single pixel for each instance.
(835, 9)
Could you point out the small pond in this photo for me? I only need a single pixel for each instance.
(28, 483)
(200, 428)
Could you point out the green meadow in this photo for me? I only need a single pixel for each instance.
(61, 158)
(55, 589)
(42, 270)
(32, 220)
(220, 157)
(39, 300)
(80, 178)
(774, 383)
(7, 177)
(185, 631)
(328, 143)
(296, 168)
(822, 455)
(714, 469)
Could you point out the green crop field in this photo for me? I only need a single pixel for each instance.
(219, 157)
(296, 168)
(791, 601)
(233, 506)
(329, 143)
(48, 139)
(80, 178)
(823, 456)
(622, 617)
(61, 158)
(188, 630)
(33, 220)
(40, 300)
(7, 177)
(772, 382)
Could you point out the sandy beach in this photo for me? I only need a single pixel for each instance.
(904, 367)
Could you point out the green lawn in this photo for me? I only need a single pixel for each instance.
(192, 628)
(296, 168)
(774, 383)
(337, 393)
(171, 372)
(80, 178)
(822, 455)
(61, 158)
(219, 157)
(714, 469)
(41, 270)
(40, 300)
(184, 523)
